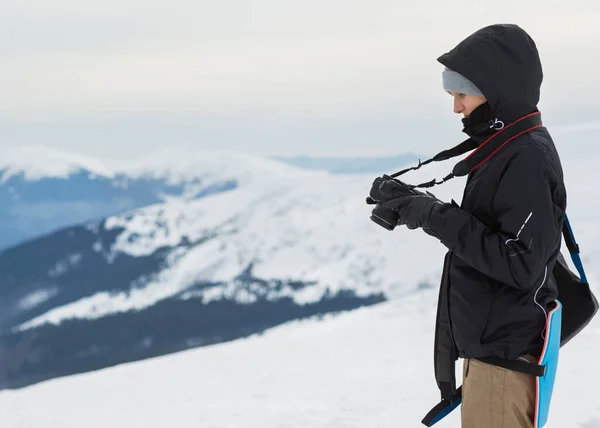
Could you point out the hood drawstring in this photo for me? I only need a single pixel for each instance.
(497, 124)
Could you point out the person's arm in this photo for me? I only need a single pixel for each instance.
(516, 250)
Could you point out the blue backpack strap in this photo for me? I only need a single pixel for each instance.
(548, 359)
(573, 249)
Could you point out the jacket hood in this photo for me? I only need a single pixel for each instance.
(502, 60)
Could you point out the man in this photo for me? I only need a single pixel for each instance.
(505, 237)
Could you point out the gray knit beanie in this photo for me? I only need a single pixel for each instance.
(456, 82)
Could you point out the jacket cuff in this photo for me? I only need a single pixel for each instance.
(437, 220)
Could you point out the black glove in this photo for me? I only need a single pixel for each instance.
(385, 188)
(415, 210)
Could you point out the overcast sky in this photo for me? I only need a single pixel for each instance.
(271, 77)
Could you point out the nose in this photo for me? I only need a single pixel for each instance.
(458, 107)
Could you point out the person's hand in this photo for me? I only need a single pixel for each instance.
(414, 209)
(385, 188)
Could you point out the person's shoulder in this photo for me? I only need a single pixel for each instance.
(535, 150)
(533, 144)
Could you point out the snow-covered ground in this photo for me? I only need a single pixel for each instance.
(368, 368)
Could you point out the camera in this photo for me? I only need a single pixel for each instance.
(382, 214)
(384, 217)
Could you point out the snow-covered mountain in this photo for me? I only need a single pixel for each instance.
(42, 190)
(283, 244)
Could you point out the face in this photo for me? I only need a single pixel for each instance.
(465, 104)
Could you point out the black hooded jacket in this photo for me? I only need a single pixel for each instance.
(505, 237)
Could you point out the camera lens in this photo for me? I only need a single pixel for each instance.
(385, 218)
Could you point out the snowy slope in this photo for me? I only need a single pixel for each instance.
(368, 368)
(300, 226)
(282, 245)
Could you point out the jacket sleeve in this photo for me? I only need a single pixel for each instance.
(516, 249)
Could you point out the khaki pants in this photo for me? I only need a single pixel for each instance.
(495, 397)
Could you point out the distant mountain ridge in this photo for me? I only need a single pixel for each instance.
(42, 189)
(352, 165)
